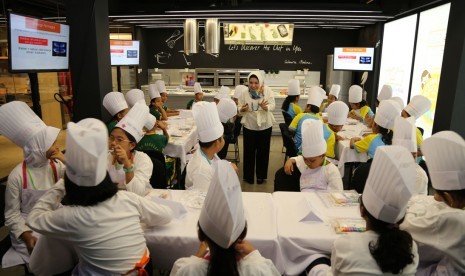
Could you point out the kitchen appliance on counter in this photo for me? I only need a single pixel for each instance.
(213, 77)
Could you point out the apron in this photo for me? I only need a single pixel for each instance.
(29, 197)
(314, 179)
(83, 269)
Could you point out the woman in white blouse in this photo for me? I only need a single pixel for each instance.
(256, 108)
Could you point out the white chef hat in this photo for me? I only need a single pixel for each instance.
(355, 94)
(207, 120)
(161, 87)
(223, 93)
(239, 90)
(337, 113)
(150, 121)
(114, 102)
(445, 158)
(405, 133)
(135, 120)
(222, 217)
(316, 96)
(418, 106)
(258, 75)
(134, 96)
(293, 87)
(197, 88)
(385, 93)
(153, 91)
(390, 183)
(19, 123)
(313, 140)
(388, 111)
(399, 101)
(226, 109)
(87, 152)
(335, 89)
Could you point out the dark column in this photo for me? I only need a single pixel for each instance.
(35, 96)
(89, 56)
(143, 58)
(450, 111)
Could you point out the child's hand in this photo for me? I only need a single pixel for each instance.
(203, 249)
(244, 248)
(289, 166)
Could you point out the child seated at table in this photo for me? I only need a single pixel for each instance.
(317, 173)
(129, 168)
(417, 106)
(153, 141)
(41, 168)
(102, 223)
(291, 103)
(198, 96)
(384, 94)
(382, 127)
(337, 116)
(383, 249)
(439, 225)
(333, 94)
(316, 96)
(360, 109)
(222, 93)
(227, 110)
(156, 104)
(116, 105)
(164, 98)
(404, 135)
(222, 229)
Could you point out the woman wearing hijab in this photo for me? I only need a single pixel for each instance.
(255, 107)
(102, 223)
(40, 170)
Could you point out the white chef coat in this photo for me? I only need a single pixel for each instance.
(140, 183)
(439, 226)
(421, 181)
(199, 172)
(107, 236)
(331, 178)
(351, 256)
(253, 264)
(256, 118)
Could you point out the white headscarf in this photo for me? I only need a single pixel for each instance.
(258, 75)
(36, 148)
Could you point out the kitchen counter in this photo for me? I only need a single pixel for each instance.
(177, 99)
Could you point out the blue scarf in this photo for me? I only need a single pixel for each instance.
(254, 94)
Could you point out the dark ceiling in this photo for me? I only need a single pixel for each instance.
(150, 13)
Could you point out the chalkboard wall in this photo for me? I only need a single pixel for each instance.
(309, 50)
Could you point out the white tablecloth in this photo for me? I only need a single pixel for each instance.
(343, 151)
(300, 240)
(179, 238)
(183, 136)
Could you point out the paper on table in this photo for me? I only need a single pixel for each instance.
(178, 209)
(185, 114)
(307, 213)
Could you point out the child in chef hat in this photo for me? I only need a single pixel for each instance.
(28, 181)
(383, 249)
(161, 87)
(227, 110)
(291, 103)
(440, 224)
(333, 95)
(317, 173)
(134, 96)
(360, 109)
(222, 229)
(222, 93)
(198, 95)
(156, 104)
(102, 223)
(116, 105)
(129, 168)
